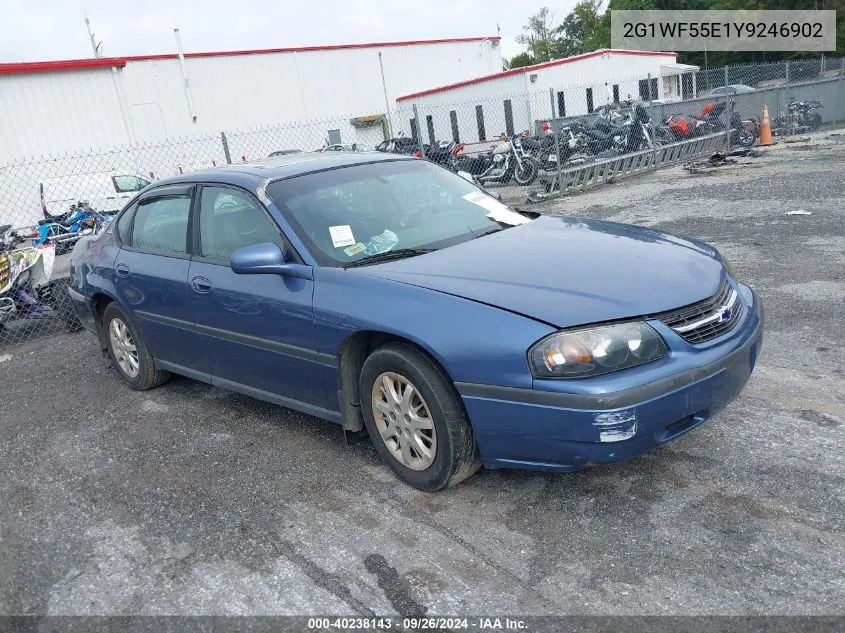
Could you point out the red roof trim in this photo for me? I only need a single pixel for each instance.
(525, 69)
(67, 64)
(309, 49)
(120, 62)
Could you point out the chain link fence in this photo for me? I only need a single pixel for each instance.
(528, 142)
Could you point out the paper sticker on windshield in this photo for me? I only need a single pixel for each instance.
(496, 210)
(341, 235)
(355, 249)
(381, 243)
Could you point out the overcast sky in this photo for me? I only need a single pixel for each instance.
(54, 29)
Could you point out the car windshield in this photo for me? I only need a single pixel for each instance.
(347, 215)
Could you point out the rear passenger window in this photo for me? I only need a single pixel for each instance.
(124, 225)
(161, 225)
(230, 219)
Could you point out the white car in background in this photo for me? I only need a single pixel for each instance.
(104, 191)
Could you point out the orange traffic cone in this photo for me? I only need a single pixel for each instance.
(765, 128)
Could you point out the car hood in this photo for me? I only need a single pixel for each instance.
(568, 271)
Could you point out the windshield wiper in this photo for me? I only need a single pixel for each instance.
(399, 253)
(490, 231)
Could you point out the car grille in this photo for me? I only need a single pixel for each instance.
(705, 320)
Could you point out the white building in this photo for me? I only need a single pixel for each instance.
(48, 108)
(514, 100)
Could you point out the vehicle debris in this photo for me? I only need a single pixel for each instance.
(706, 164)
(799, 212)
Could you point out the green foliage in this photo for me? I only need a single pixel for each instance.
(521, 60)
(587, 28)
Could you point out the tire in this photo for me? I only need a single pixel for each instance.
(452, 454)
(146, 375)
(527, 172)
(662, 136)
(61, 302)
(745, 137)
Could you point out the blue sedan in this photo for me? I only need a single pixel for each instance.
(399, 300)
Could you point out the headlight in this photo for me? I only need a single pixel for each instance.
(595, 350)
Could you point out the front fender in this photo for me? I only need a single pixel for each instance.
(472, 341)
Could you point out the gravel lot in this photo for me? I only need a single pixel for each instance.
(193, 500)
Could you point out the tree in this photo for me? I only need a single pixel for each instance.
(581, 30)
(520, 61)
(537, 36)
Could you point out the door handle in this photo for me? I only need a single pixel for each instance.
(201, 285)
(121, 270)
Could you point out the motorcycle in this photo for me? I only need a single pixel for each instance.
(631, 135)
(507, 160)
(682, 127)
(801, 117)
(80, 220)
(443, 153)
(743, 132)
(26, 287)
(544, 148)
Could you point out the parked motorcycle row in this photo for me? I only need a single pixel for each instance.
(612, 131)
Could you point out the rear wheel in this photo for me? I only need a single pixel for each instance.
(416, 419)
(129, 352)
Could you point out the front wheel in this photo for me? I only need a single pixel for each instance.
(526, 172)
(416, 419)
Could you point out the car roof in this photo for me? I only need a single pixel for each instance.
(733, 88)
(254, 173)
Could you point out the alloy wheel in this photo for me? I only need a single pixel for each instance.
(123, 347)
(404, 421)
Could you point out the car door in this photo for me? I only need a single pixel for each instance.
(260, 328)
(151, 274)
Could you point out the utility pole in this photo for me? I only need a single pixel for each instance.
(94, 45)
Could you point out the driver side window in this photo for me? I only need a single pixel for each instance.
(231, 219)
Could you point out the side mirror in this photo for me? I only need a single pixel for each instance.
(267, 259)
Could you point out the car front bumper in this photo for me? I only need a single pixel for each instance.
(544, 430)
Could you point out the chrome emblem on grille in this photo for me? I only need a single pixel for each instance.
(726, 315)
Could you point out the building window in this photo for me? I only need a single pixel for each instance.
(429, 123)
(479, 117)
(615, 93)
(561, 104)
(589, 99)
(509, 117)
(654, 93)
(453, 118)
(334, 137)
(644, 90)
